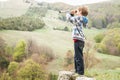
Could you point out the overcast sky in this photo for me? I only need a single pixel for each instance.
(3, 0)
(71, 2)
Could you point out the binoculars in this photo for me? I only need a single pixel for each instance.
(72, 12)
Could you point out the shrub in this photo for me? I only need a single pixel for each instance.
(98, 38)
(3, 63)
(68, 60)
(2, 46)
(113, 25)
(90, 60)
(40, 59)
(66, 29)
(5, 76)
(12, 68)
(119, 47)
(43, 52)
(110, 43)
(52, 76)
(60, 29)
(62, 17)
(32, 71)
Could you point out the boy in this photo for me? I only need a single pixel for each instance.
(78, 18)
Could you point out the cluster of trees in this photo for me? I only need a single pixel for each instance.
(25, 61)
(109, 42)
(23, 23)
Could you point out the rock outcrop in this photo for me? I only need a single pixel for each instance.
(67, 75)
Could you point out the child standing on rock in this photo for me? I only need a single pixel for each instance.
(79, 20)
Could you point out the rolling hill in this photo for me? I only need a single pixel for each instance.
(13, 8)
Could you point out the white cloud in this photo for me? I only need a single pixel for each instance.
(73, 2)
(3, 0)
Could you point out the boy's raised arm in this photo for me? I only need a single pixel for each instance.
(70, 17)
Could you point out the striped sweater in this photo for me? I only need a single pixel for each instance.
(79, 22)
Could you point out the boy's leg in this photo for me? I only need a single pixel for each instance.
(78, 58)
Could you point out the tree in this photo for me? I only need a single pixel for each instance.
(19, 52)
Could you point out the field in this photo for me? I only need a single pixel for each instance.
(60, 45)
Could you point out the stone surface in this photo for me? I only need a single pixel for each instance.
(67, 75)
(84, 78)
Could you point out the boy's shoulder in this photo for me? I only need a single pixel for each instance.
(84, 19)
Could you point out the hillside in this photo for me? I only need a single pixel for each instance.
(13, 8)
(53, 35)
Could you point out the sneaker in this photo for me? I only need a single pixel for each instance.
(81, 78)
(89, 78)
(76, 74)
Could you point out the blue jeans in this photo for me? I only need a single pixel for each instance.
(78, 57)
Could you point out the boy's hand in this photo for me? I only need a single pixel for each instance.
(73, 12)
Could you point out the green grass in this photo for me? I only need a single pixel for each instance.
(91, 33)
(108, 61)
(99, 74)
(60, 42)
(52, 21)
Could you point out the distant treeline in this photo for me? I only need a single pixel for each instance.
(23, 23)
(100, 14)
(104, 14)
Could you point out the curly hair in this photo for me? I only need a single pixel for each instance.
(84, 10)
